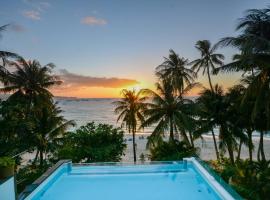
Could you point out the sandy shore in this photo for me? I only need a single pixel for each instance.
(207, 151)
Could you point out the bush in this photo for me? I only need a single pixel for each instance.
(27, 175)
(7, 162)
(93, 143)
(250, 179)
(172, 150)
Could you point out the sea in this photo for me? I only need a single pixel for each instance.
(99, 110)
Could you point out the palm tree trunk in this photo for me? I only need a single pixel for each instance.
(36, 157)
(191, 139)
(209, 79)
(186, 138)
(41, 157)
(230, 151)
(239, 150)
(171, 131)
(250, 145)
(259, 153)
(215, 144)
(261, 146)
(231, 155)
(134, 145)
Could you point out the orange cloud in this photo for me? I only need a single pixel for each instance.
(77, 80)
(89, 86)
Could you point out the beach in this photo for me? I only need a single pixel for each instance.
(102, 111)
(206, 148)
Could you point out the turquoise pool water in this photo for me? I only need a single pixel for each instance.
(176, 180)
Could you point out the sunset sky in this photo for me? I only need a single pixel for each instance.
(100, 47)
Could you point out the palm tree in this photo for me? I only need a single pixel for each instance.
(30, 80)
(216, 111)
(255, 32)
(130, 111)
(240, 117)
(169, 112)
(254, 44)
(49, 125)
(174, 69)
(209, 59)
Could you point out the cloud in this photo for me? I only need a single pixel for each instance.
(36, 8)
(91, 20)
(72, 80)
(31, 14)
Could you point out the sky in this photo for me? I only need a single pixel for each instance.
(100, 47)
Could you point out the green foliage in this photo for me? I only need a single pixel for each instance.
(217, 109)
(15, 127)
(253, 42)
(93, 143)
(169, 113)
(27, 175)
(250, 179)
(142, 157)
(7, 162)
(172, 150)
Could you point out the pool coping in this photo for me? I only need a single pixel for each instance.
(220, 186)
(31, 188)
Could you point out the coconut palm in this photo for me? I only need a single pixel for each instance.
(216, 111)
(254, 44)
(240, 117)
(130, 111)
(30, 80)
(255, 32)
(174, 69)
(209, 59)
(49, 125)
(172, 114)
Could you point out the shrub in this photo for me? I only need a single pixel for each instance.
(172, 150)
(250, 179)
(93, 143)
(6, 162)
(28, 174)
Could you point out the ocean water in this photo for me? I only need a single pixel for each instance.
(99, 110)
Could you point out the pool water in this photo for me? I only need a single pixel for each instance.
(134, 182)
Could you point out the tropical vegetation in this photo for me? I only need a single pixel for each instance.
(31, 121)
(130, 109)
(92, 143)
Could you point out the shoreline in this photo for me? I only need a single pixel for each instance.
(206, 149)
(206, 152)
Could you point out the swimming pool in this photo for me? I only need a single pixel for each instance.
(156, 181)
